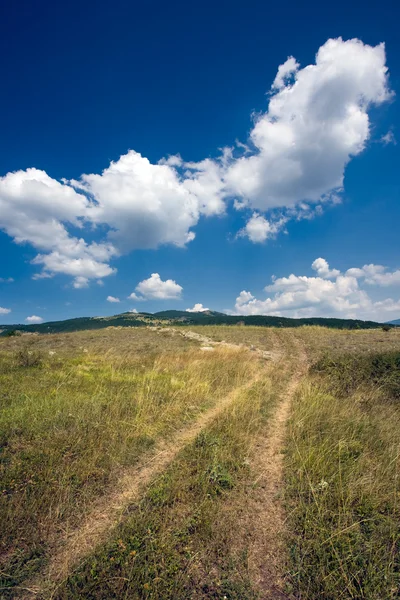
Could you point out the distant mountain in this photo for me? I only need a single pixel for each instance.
(396, 322)
(180, 317)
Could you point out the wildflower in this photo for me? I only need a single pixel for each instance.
(322, 485)
(146, 586)
(51, 352)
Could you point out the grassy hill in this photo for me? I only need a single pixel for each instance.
(180, 317)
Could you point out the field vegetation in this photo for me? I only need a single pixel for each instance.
(237, 463)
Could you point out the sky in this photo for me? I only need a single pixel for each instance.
(236, 156)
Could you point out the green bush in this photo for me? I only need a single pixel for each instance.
(347, 372)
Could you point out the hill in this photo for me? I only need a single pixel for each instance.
(395, 322)
(178, 317)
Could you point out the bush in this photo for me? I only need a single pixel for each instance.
(25, 357)
(348, 372)
(12, 333)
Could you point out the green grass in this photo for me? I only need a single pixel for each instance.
(78, 410)
(182, 540)
(74, 417)
(343, 487)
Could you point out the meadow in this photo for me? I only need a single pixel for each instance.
(228, 462)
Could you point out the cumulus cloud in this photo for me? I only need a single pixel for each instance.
(197, 308)
(4, 311)
(134, 296)
(312, 127)
(376, 275)
(113, 299)
(133, 310)
(34, 319)
(329, 294)
(316, 121)
(258, 229)
(154, 288)
(321, 266)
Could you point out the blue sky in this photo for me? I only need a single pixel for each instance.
(210, 174)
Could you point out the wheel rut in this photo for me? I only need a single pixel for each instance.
(265, 515)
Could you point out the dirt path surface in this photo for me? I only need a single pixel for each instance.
(69, 549)
(265, 516)
(209, 343)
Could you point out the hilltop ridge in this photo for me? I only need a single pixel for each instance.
(181, 317)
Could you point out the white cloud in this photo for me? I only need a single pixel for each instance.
(134, 296)
(312, 127)
(388, 138)
(6, 280)
(285, 71)
(316, 121)
(80, 282)
(4, 311)
(34, 319)
(197, 308)
(330, 294)
(376, 275)
(133, 310)
(321, 266)
(113, 299)
(154, 288)
(258, 229)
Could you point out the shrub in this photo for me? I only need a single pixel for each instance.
(24, 357)
(347, 372)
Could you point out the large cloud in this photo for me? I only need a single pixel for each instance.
(316, 121)
(312, 127)
(330, 294)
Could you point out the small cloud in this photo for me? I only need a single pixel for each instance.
(134, 296)
(100, 282)
(157, 289)
(197, 308)
(4, 311)
(133, 310)
(388, 138)
(81, 282)
(34, 319)
(42, 275)
(258, 229)
(113, 299)
(6, 280)
(321, 266)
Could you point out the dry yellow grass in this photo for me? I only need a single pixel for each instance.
(134, 464)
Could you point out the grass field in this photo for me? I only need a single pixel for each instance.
(236, 463)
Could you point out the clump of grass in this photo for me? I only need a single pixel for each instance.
(343, 488)
(27, 356)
